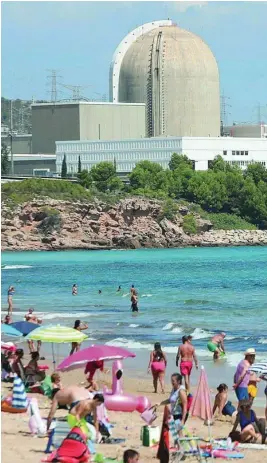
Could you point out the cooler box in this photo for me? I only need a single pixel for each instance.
(150, 435)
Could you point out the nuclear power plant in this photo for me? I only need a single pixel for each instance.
(175, 74)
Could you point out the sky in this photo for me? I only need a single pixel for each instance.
(78, 39)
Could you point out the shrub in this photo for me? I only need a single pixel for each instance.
(169, 210)
(229, 222)
(189, 224)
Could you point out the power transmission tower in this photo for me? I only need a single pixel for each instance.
(76, 91)
(53, 82)
(224, 111)
(260, 109)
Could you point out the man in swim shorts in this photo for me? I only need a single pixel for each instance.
(134, 301)
(70, 396)
(187, 353)
(216, 345)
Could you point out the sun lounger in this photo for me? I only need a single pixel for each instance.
(184, 446)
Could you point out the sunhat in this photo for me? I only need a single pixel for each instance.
(250, 351)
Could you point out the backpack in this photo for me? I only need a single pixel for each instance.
(72, 450)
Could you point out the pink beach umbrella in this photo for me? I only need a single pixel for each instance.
(201, 405)
(94, 354)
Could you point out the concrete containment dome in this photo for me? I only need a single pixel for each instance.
(175, 73)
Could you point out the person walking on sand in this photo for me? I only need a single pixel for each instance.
(157, 365)
(216, 345)
(10, 293)
(78, 325)
(187, 353)
(242, 375)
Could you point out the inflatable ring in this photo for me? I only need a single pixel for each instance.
(6, 407)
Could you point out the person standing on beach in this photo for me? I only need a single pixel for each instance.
(30, 317)
(10, 293)
(78, 325)
(187, 353)
(216, 345)
(242, 375)
(157, 364)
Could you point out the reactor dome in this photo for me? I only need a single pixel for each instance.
(175, 73)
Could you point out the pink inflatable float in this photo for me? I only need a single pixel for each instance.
(116, 400)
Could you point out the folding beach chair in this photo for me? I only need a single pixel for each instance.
(185, 446)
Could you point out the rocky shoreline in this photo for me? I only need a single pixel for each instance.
(50, 225)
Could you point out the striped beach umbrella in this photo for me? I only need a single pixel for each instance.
(9, 330)
(56, 334)
(260, 368)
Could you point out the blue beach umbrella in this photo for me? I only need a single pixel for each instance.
(9, 330)
(25, 327)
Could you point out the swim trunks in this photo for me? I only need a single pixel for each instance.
(186, 368)
(241, 393)
(252, 390)
(228, 409)
(134, 307)
(212, 346)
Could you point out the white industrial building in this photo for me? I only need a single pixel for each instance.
(246, 130)
(127, 153)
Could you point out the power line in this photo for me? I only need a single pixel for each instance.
(224, 111)
(76, 91)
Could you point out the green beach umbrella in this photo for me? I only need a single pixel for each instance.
(56, 334)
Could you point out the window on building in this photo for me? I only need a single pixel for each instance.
(224, 152)
(233, 153)
(242, 153)
(237, 153)
(246, 153)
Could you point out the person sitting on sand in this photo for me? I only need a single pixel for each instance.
(216, 345)
(56, 383)
(78, 325)
(17, 366)
(225, 407)
(131, 456)
(252, 428)
(32, 370)
(187, 353)
(157, 364)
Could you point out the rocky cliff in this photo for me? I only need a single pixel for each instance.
(132, 223)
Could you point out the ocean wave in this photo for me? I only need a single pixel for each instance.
(11, 267)
(199, 333)
(177, 329)
(53, 315)
(262, 341)
(147, 295)
(168, 327)
(129, 343)
(133, 325)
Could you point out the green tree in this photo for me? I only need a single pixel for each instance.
(145, 175)
(85, 179)
(178, 160)
(79, 165)
(256, 172)
(206, 189)
(104, 177)
(4, 159)
(64, 168)
(253, 203)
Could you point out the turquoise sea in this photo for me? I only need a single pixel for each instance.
(197, 290)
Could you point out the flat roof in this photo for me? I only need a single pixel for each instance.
(162, 138)
(65, 103)
(34, 157)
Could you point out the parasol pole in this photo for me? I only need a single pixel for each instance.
(53, 355)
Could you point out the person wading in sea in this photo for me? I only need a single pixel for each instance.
(216, 345)
(187, 353)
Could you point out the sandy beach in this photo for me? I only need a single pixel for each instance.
(19, 445)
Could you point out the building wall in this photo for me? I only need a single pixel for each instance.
(21, 144)
(53, 122)
(247, 131)
(23, 167)
(127, 153)
(111, 122)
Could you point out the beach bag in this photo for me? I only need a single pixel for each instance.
(72, 450)
(149, 415)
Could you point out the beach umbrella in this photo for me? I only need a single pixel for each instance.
(92, 354)
(9, 330)
(201, 405)
(56, 334)
(25, 327)
(260, 368)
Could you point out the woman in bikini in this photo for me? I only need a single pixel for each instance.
(78, 325)
(157, 365)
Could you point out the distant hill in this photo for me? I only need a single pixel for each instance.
(21, 114)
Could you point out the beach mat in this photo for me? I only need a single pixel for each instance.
(253, 446)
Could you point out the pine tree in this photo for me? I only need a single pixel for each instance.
(4, 160)
(115, 164)
(79, 165)
(64, 167)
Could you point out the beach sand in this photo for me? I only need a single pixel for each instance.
(19, 446)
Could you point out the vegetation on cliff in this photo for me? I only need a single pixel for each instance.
(227, 196)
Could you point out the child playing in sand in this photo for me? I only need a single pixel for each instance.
(225, 407)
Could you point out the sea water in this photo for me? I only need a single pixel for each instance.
(197, 291)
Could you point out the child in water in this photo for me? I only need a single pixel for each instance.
(225, 407)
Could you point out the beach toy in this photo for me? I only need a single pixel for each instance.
(18, 402)
(9, 346)
(7, 407)
(116, 400)
(36, 424)
(226, 454)
(43, 367)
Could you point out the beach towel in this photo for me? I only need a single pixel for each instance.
(19, 398)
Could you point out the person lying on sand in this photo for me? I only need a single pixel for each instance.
(252, 428)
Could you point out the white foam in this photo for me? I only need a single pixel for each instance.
(129, 343)
(262, 341)
(177, 330)
(133, 325)
(168, 326)
(199, 333)
(147, 295)
(11, 267)
(52, 316)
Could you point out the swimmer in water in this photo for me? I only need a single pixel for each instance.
(216, 345)
(74, 290)
(119, 289)
(134, 301)
(99, 291)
